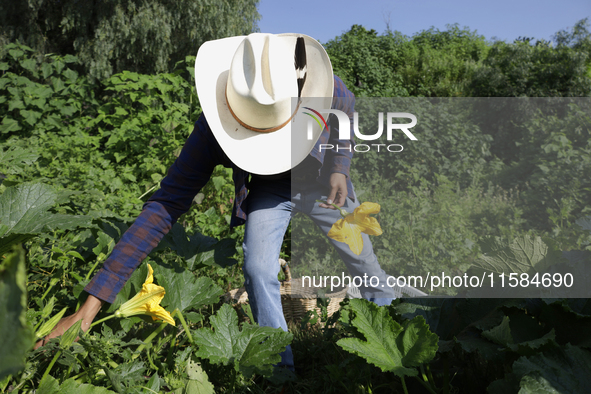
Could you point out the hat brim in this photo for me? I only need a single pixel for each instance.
(256, 152)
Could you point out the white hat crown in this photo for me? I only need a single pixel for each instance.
(262, 80)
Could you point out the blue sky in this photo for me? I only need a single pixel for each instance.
(502, 19)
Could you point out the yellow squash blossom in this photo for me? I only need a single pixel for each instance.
(147, 302)
(349, 228)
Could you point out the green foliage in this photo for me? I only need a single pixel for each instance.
(523, 255)
(432, 63)
(548, 157)
(16, 337)
(439, 63)
(459, 62)
(388, 345)
(251, 350)
(114, 35)
(197, 383)
(14, 160)
(199, 250)
(40, 93)
(363, 60)
(559, 370)
(25, 212)
(101, 145)
(448, 143)
(50, 385)
(492, 333)
(578, 38)
(541, 70)
(185, 291)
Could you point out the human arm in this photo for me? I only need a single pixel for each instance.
(185, 178)
(338, 162)
(86, 313)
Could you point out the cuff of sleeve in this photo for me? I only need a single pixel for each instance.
(340, 168)
(105, 285)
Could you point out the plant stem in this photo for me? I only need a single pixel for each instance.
(404, 385)
(341, 210)
(47, 291)
(184, 323)
(423, 374)
(426, 385)
(154, 367)
(446, 376)
(101, 257)
(149, 190)
(80, 375)
(57, 355)
(93, 268)
(102, 320)
(430, 375)
(149, 339)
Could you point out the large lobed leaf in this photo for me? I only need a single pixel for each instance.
(388, 345)
(16, 160)
(16, 337)
(24, 210)
(253, 350)
(523, 255)
(565, 369)
(198, 382)
(49, 385)
(184, 290)
(199, 250)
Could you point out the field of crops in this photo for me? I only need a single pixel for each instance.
(78, 159)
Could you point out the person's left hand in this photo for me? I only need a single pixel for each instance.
(338, 191)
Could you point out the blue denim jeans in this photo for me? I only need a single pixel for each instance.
(270, 206)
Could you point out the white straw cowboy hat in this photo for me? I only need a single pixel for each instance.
(248, 88)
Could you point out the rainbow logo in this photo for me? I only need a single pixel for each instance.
(316, 119)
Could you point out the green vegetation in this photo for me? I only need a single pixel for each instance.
(82, 148)
(113, 36)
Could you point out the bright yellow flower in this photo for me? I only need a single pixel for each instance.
(147, 302)
(349, 228)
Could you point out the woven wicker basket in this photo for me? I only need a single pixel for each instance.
(295, 299)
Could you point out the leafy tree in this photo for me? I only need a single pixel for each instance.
(439, 63)
(578, 38)
(432, 63)
(110, 36)
(364, 61)
(520, 69)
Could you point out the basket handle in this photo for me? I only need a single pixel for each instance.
(286, 271)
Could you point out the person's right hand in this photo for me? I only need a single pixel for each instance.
(86, 313)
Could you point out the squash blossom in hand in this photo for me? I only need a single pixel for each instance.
(147, 302)
(349, 228)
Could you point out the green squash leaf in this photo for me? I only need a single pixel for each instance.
(387, 344)
(564, 370)
(501, 334)
(49, 385)
(16, 160)
(524, 254)
(198, 382)
(253, 350)
(199, 250)
(184, 290)
(24, 209)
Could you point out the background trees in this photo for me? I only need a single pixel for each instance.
(109, 36)
(459, 62)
